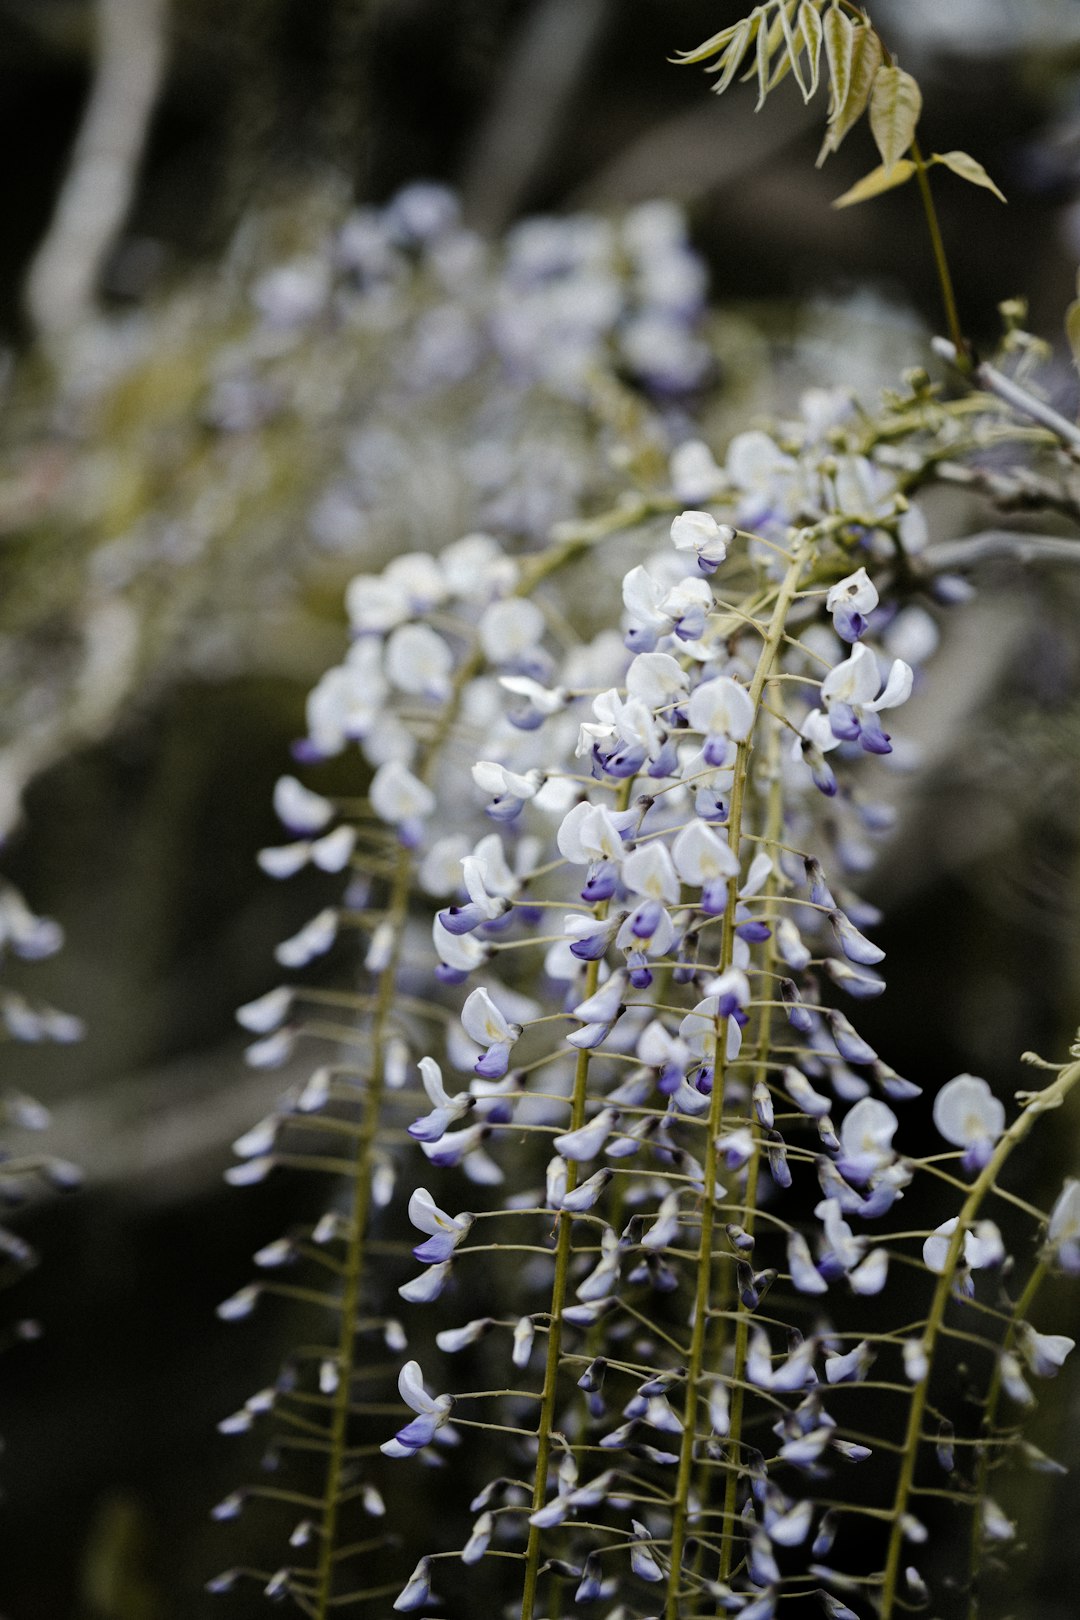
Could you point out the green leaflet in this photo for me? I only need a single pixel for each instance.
(895, 105)
(793, 46)
(878, 180)
(812, 33)
(715, 45)
(732, 58)
(839, 33)
(969, 169)
(864, 67)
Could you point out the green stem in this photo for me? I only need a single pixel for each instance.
(769, 653)
(354, 1262)
(1052, 1097)
(773, 828)
(553, 1361)
(993, 1396)
(941, 261)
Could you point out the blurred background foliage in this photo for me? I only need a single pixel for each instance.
(234, 374)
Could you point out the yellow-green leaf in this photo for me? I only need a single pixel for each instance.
(878, 180)
(1072, 329)
(865, 64)
(780, 71)
(792, 45)
(711, 47)
(812, 33)
(968, 168)
(895, 105)
(766, 44)
(839, 34)
(732, 57)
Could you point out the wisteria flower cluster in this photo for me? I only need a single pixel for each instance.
(27, 937)
(654, 1168)
(643, 1242)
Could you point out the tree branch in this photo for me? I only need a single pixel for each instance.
(96, 194)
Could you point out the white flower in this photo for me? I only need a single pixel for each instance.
(656, 679)
(428, 1286)
(298, 808)
(657, 610)
(544, 699)
(967, 1113)
(267, 1012)
(589, 832)
(488, 1027)
(1044, 1352)
(432, 1413)
(397, 796)
(857, 591)
(508, 630)
(648, 871)
(484, 1022)
(502, 783)
(419, 577)
(994, 1522)
(701, 856)
(982, 1246)
(462, 953)
(314, 939)
(1063, 1232)
(854, 696)
(705, 861)
(476, 568)
(334, 850)
(440, 870)
(870, 1275)
(765, 476)
(375, 603)
(344, 704)
(419, 661)
(694, 473)
(699, 533)
(723, 712)
(586, 1142)
(866, 1138)
(665, 1229)
(913, 635)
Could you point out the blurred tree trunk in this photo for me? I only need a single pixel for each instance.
(96, 195)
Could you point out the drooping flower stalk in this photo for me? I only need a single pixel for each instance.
(767, 659)
(553, 1361)
(1034, 1106)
